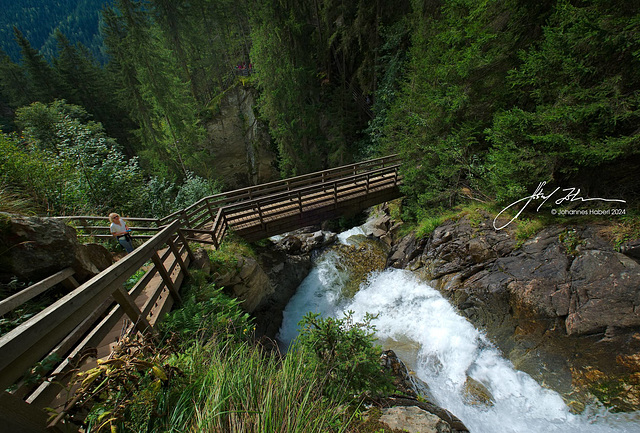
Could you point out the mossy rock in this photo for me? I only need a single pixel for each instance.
(476, 394)
(359, 261)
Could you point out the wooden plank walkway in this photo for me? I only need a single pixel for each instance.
(97, 313)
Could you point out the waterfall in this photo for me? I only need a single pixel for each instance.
(444, 350)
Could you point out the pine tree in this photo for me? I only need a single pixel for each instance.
(13, 82)
(44, 84)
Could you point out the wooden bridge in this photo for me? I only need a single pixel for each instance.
(93, 316)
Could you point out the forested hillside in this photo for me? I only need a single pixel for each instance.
(78, 20)
(483, 99)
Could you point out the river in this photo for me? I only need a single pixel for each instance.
(444, 349)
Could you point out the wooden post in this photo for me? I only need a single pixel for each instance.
(262, 224)
(368, 180)
(176, 252)
(300, 202)
(186, 218)
(214, 238)
(335, 194)
(213, 215)
(165, 277)
(183, 238)
(131, 309)
(71, 283)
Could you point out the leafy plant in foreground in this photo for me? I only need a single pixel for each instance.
(345, 354)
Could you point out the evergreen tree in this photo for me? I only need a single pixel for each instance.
(14, 83)
(44, 83)
(148, 70)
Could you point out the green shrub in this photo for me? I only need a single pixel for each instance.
(344, 352)
(207, 312)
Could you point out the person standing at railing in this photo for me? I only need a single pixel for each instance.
(121, 231)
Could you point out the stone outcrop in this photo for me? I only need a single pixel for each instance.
(304, 241)
(34, 248)
(239, 144)
(405, 411)
(266, 283)
(413, 420)
(201, 261)
(246, 281)
(285, 272)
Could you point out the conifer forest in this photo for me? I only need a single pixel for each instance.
(107, 102)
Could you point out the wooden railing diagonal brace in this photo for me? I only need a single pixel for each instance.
(131, 309)
(183, 238)
(176, 253)
(166, 277)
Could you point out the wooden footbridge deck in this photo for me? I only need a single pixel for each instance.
(94, 315)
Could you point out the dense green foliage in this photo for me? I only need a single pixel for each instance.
(65, 164)
(481, 98)
(208, 375)
(500, 96)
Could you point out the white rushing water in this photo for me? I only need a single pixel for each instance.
(443, 348)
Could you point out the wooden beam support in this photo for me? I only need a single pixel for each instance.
(131, 309)
(186, 244)
(166, 277)
(176, 253)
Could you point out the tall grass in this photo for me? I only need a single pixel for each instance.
(246, 392)
(239, 388)
(215, 378)
(12, 202)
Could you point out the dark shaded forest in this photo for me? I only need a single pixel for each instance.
(483, 99)
(78, 20)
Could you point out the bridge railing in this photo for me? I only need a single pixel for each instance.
(86, 315)
(295, 202)
(196, 214)
(200, 214)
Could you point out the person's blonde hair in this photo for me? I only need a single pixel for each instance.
(112, 216)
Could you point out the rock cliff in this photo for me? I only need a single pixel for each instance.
(239, 143)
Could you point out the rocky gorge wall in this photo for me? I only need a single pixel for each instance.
(564, 306)
(239, 144)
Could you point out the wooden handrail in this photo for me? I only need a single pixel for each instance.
(33, 339)
(34, 290)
